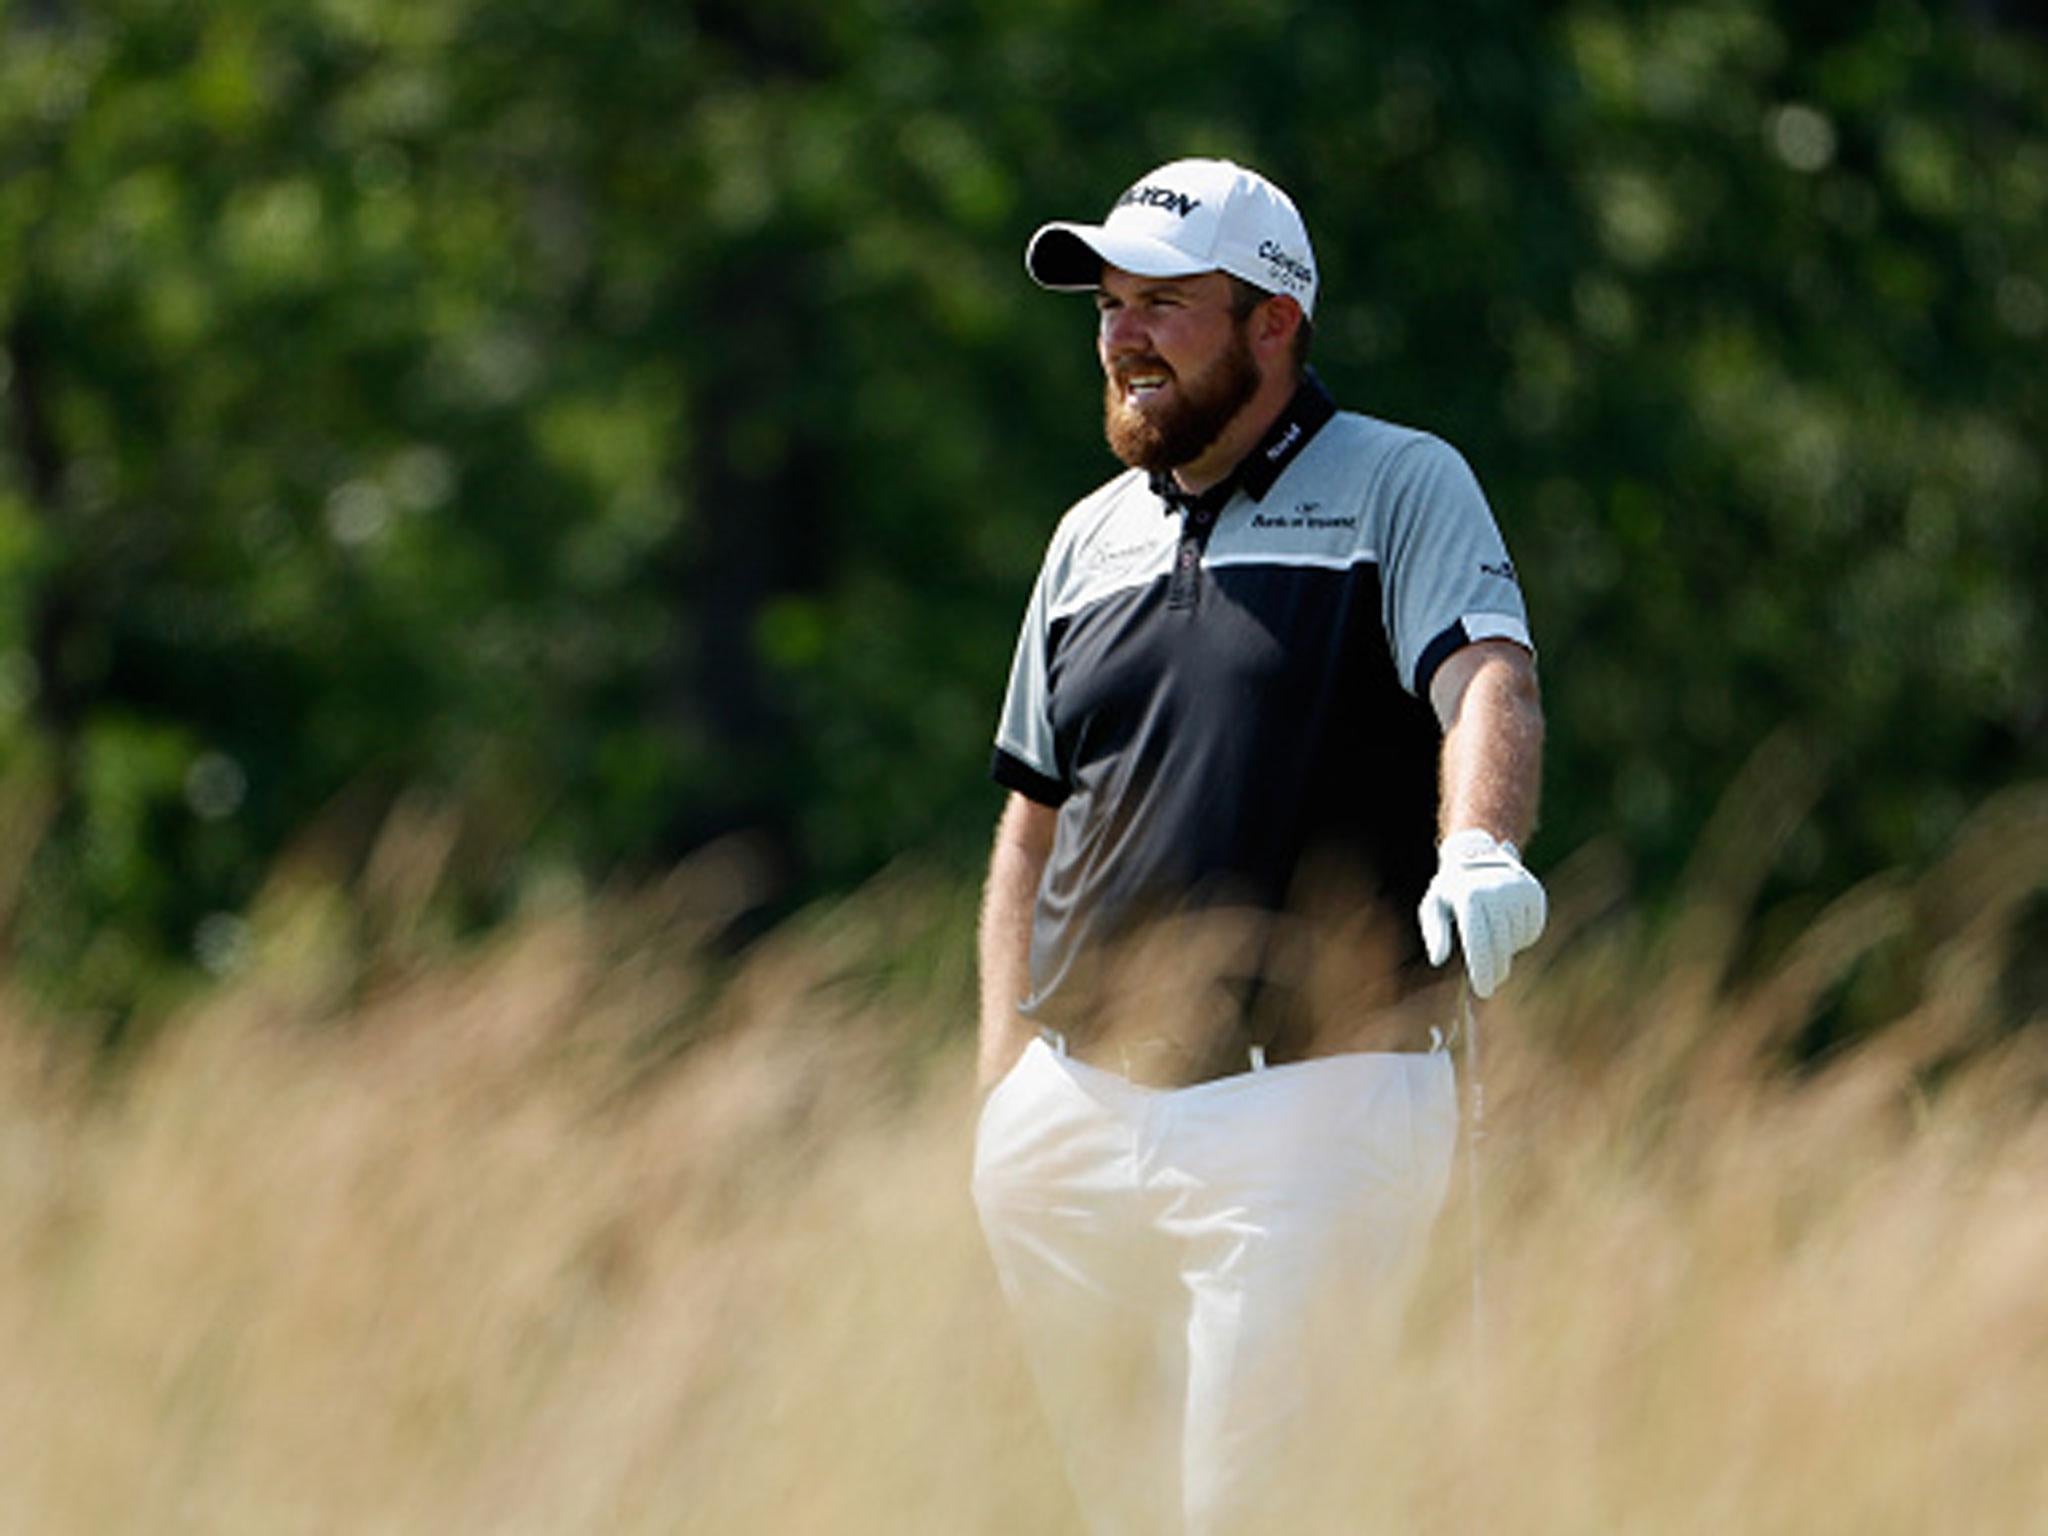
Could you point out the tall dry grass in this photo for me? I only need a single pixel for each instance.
(405, 1244)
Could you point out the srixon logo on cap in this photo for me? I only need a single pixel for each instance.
(1178, 203)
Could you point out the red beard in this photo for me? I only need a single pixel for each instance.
(1167, 437)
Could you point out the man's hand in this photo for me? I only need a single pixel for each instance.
(1015, 866)
(1495, 904)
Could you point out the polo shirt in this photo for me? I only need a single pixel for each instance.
(1216, 690)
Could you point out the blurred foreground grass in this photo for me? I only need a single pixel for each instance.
(468, 1244)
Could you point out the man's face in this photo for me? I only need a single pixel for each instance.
(1177, 365)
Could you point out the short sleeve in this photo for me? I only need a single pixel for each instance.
(1026, 759)
(1448, 580)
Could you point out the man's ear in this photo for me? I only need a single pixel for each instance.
(1277, 319)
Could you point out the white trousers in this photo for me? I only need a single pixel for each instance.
(1183, 1262)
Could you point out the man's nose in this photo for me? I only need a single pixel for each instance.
(1122, 332)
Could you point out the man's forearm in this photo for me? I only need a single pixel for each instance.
(1483, 897)
(1493, 750)
(1015, 865)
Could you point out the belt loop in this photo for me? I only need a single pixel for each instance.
(1053, 1038)
(1258, 1054)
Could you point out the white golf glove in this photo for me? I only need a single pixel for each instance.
(1496, 906)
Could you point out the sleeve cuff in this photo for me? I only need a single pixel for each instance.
(1436, 653)
(1014, 773)
(1473, 627)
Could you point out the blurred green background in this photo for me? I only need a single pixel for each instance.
(615, 427)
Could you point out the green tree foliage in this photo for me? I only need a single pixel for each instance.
(632, 424)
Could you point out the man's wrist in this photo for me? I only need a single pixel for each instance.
(1468, 843)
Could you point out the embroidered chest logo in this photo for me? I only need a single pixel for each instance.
(1306, 514)
(1107, 556)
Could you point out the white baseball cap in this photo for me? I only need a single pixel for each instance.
(1186, 217)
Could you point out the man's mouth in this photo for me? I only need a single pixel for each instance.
(1141, 383)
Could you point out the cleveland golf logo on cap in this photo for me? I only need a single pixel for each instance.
(1143, 196)
(1289, 269)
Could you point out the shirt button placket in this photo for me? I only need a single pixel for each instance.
(1187, 564)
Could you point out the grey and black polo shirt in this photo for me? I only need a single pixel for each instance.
(1212, 690)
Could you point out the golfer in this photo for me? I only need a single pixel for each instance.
(1271, 737)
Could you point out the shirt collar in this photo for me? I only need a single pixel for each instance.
(1306, 415)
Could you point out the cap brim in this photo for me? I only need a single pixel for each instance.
(1071, 256)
